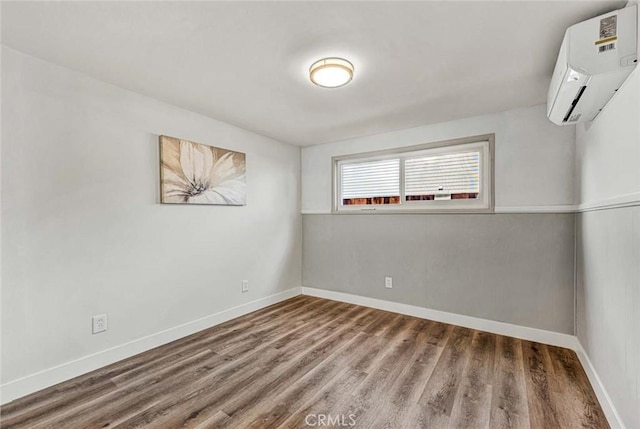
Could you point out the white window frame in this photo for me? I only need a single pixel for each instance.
(484, 204)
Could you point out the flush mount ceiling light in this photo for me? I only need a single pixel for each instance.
(331, 72)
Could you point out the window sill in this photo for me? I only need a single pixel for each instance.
(414, 211)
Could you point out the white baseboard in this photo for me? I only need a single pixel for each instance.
(66, 371)
(603, 397)
(517, 331)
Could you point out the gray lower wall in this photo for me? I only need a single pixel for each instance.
(608, 302)
(514, 268)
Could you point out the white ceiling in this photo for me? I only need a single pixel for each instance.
(246, 62)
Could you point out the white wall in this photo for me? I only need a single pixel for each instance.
(526, 145)
(83, 232)
(608, 251)
(608, 153)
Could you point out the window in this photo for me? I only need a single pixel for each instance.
(371, 182)
(445, 176)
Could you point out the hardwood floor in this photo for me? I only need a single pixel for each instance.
(310, 362)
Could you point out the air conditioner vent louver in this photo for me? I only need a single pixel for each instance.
(575, 118)
(574, 103)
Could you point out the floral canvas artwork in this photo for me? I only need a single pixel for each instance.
(194, 173)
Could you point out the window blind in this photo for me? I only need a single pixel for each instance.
(456, 173)
(370, 179)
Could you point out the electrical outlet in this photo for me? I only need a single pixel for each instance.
(245, 286)
(388, 282)
(99, 323)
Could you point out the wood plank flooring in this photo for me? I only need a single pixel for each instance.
(310, 362)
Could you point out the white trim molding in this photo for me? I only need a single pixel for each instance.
(501, 328)
(567, 208)
(598, 387)
(314, 212)
(537, 209)
(619, 201)
(616, 202)
(68, 370)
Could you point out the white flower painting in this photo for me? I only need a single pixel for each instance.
(193, 173)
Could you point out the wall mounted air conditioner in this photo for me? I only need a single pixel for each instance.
(595, 58)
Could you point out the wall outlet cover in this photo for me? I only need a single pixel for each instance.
(99, 323)
(245, 285)
(388, 282)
